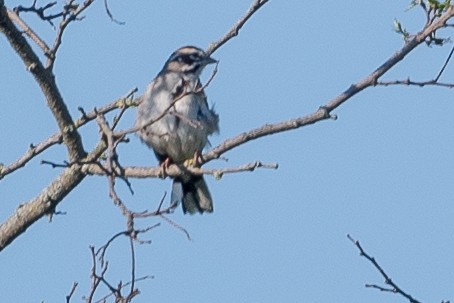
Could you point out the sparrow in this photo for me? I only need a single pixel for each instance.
(174, 120)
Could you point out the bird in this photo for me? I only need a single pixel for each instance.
(174, 120)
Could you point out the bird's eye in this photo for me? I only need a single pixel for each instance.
(187, 59)
(194, 57)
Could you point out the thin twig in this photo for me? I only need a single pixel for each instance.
(101, 256)
(46, 81)
(380, 288)
(444, 65)
(133, 266)
(433, 82)
(394, 287)
(71, 13)
(53, 164)
(71, 292)
(94, 277)
(112, 18)
(167, 210)
(415, 83)
(256, 5)
(213, 74)
(103, 249)
(34, 150)
(103, 299)
(41, 11)
(177, 226)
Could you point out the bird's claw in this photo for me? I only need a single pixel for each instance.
(194, 161)
(164, 166)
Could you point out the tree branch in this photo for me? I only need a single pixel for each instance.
(394, 288)
(324, 112)
(174, 170)
(256, 5)
(46, 202)
(71, 292)
(444, 65)
(409, 82)
(40, 11)
(70, 14)
(433, 82)
(34, 150)
(46, 81)
(29, 32)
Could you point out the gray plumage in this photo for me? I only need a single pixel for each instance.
(175, 121)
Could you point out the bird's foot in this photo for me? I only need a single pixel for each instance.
(164, 166)
(195, 161)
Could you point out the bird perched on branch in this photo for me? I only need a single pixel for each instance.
(175, 121)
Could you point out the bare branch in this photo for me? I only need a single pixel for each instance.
(70, 13)
(218, 173)
(100, 255)
(46, 81)
(394, 288)
(43, 204)
(40, 11)
(159, 211)
(112, 18)
(95, 279)
(256, 5)
(213, 74)
(46, 202)
(71, 292)
(380, 288)
(444, 65)
(103, 299)
(175, 170)
(177, 226)
(34, 150)
(433, 82)
(324, 112)
(415, 83)
(132, 290)
(29, 32)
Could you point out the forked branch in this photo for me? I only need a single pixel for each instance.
(434, 82)
(393, 287)
(46, 81)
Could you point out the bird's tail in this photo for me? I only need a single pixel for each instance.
(193, 193)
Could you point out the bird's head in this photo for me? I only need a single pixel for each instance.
(188, 60)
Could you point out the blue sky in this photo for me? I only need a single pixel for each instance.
(382, 172)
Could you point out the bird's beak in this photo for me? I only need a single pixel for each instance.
(209, 60)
